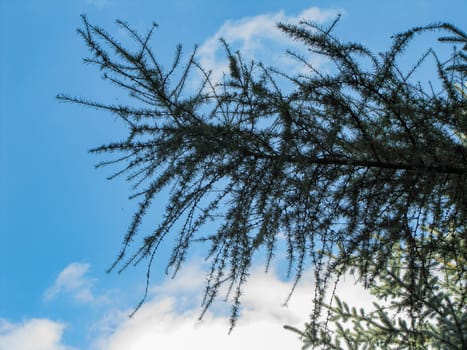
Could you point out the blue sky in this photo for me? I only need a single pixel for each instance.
(61, 222)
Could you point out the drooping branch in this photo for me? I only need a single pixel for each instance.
(336, 158)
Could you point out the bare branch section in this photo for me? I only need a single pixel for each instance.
(336, 158)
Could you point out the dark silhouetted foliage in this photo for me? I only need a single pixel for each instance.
(321, 160)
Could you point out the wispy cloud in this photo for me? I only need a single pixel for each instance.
(75, 282)
(257, 37)
(33, 334)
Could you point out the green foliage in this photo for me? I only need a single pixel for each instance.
(329, 161)
(422, 308)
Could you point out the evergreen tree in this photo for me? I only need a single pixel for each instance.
(328, 162)
(421, 311)
(421, 308)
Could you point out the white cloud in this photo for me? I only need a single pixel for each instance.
(258, 37)
(73, 281)
(170, 319)
(33, 334)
